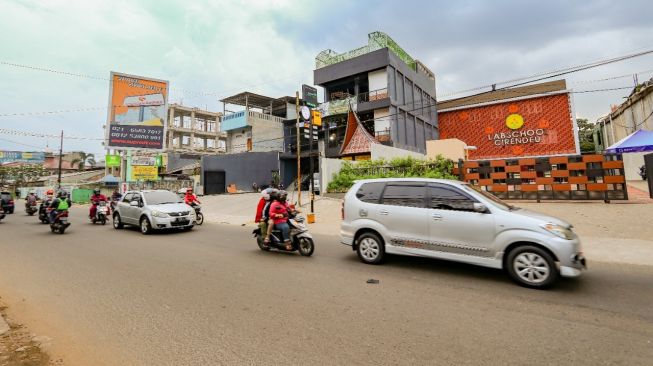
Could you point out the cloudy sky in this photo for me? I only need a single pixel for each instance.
(209, 49)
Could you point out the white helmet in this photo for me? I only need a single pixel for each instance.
(266, 193)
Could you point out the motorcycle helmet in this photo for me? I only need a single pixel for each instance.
(50, 192)
(274, 194)
(265, 194)
(96, 191)
(282, 195)
(63, 194)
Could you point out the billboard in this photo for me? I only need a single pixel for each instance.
(138, 111)
(21, 157)
(143, 172)
(535, 126)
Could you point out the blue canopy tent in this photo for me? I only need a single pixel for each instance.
(110, 180)
(640, 141)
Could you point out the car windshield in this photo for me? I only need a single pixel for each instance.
(160, 198)
(496, 201)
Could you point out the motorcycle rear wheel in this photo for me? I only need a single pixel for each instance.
(200, 219)
(259, 241)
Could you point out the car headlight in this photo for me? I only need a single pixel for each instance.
(159, 214)
(559, 231)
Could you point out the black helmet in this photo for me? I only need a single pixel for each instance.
(274, 194)
(282, 195)
(63, 194)
(96, 191)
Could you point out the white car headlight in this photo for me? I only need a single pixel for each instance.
(559, 231)
(159, 214)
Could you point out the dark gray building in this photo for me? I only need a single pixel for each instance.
(242, 170)
(392, 94)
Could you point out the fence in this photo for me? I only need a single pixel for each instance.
(581, 177)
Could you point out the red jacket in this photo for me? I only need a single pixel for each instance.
(259, 209)
(190, 198)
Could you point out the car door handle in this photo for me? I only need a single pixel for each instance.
(437, 217)
(383, 212)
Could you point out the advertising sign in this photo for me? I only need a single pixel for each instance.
(138, 110)
(112, 161)
(538, 126)
(141, 172)
(309, 95)
(21, 157)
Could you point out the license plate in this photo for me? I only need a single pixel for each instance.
(63, 219)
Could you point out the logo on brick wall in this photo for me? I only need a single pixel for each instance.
(517, 136)
(515, 121)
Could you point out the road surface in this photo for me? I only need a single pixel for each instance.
(210, 296)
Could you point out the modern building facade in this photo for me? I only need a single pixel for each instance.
(392, 94)
(192, 130)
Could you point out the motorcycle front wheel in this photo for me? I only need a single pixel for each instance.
(306, 247)
(259, 241)
(200, 219)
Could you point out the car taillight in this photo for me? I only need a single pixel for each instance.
(11, 202)
(342, 210)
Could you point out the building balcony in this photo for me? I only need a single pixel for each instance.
(337, 106)
(383, 137)
(374, 99)
(244, 119)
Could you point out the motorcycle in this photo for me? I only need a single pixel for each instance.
(43, 212)
(199, 217)
(642, 172)
(101, 213)
(300, 238)
(2, 213)
(60, 223)
(30, 208)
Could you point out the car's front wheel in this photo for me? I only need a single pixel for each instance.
(146, 228)
(117, 224)
(371, 249)
(532, 267)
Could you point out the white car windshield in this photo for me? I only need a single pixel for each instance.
(160, 198)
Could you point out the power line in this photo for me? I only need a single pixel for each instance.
(4, 131)
(551, 74)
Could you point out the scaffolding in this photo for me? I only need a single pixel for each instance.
(375, 41)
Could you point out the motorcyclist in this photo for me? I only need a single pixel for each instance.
(265, 216)
(96, 198)
(190, 198)
(31, 199)
(279, 213)
(61, 203)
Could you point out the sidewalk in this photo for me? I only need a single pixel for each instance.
(619, 232)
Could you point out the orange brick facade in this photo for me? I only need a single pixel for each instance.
(540, 126)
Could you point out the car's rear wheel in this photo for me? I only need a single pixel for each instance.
(146, 228)
(117, 224)
(371, 249)
(532, 267)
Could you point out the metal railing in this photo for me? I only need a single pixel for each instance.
(373, 95)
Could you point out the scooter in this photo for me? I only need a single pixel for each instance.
(300, 238)
(60, 223)
(31, 209)
(43, 212)
(101, 213)
(199, 217)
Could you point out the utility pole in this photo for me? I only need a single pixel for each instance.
(299, 164)
(60, 160)
(310, 157)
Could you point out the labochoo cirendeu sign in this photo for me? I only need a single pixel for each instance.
(138, 111)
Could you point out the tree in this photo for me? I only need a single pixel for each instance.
(22, 174)
(83, 159)
(585, 135)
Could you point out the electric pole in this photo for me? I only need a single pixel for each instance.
(60, 160)
(299, 164)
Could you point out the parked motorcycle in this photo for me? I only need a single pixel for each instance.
(60, 223)
(642, 172)
(31, 208)
(43, 212)
(101, 213)
(199, 217)
(300, 238)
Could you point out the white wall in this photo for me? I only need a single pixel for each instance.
(382, 124)
(632, 162)
(378, 79)
(328, 167)
(453, 149)
(388, 152)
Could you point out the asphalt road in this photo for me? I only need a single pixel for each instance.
(210, 297)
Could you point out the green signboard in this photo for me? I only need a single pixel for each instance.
(112, 160)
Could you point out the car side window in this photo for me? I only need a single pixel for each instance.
(137, 197)
(370, 192)
(449, 198)
(128, 197)
(404, 195)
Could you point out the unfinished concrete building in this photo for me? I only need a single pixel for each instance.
(193, 130)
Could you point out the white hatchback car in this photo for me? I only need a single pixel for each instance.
(452, 220)
(153, 210)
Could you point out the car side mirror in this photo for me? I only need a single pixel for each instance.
(479, 207)
(134, 203)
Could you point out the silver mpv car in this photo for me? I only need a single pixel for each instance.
(452, 220)
(153, 210)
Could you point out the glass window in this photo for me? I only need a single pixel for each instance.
(161, 198)
(445, 198)
(404, 195)
(370, 192)
(128, 197)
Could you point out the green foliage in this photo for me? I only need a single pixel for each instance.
(585, 135)
(439, 168)
(21, 174)
(83, 159)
